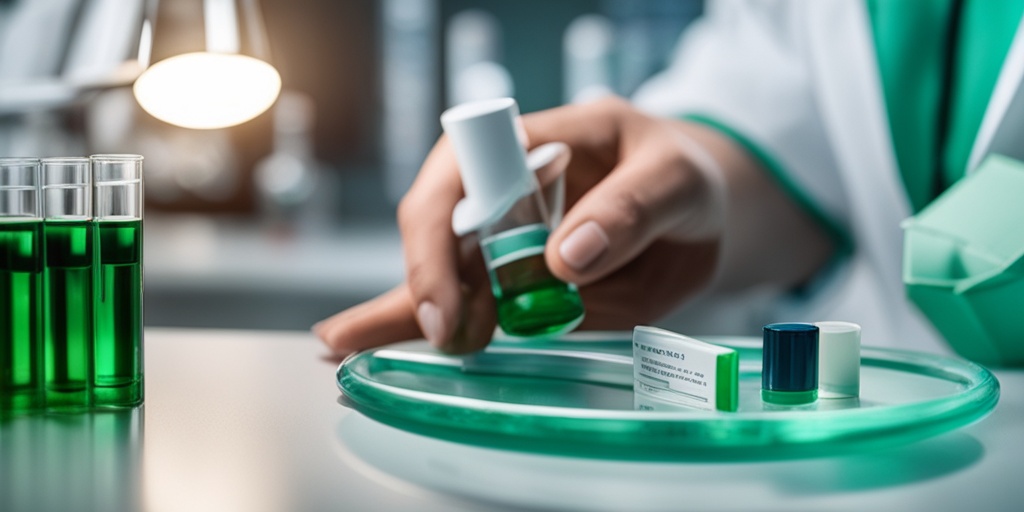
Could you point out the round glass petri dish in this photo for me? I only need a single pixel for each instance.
(574, 396)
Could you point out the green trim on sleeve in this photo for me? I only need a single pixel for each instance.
(844, 244)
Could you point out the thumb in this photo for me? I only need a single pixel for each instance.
(670, 189)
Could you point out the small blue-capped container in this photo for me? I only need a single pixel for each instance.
(789, 370)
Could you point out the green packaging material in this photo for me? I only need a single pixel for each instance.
(963, 263)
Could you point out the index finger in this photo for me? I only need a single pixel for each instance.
(430, 246)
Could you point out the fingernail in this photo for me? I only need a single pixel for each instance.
(316, 326)
(429, 317)
(583, 245)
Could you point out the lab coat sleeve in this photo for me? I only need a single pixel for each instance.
(743, 69)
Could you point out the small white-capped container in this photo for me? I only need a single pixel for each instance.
(838, 359)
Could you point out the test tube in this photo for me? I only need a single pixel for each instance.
(21, 289)
(117, 214)
(68, 278)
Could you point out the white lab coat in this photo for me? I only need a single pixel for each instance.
(800, 79)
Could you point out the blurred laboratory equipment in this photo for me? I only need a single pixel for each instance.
(409, 89)
(646, 33)
(288, 179)
(473, 69)
(53, 53)
(587, 58)
(54, 56)
(182, 165)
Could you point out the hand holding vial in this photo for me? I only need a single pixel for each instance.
(650, 204)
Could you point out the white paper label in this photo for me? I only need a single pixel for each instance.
(675, 367)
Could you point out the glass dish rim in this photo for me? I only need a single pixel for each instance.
(690, 435)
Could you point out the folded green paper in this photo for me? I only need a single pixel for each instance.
(963, 263)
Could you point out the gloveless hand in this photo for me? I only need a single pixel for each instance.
(648, 206)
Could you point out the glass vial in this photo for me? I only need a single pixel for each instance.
(21, 286)
(530, 300)
(68, 281)
(117, 215)
(789, 371)
(505, 206)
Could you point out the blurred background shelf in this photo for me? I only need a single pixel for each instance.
(233, 272)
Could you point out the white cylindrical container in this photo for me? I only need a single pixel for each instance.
(838, 360)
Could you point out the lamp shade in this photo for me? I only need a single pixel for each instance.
(211, 64)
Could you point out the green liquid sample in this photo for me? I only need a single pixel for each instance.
(117, 378)
(531, 301)
(21, 364)
(69, 313)
(789, 397)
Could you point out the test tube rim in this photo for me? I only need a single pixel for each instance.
(64, 159)
(14, 160)
(113, 157)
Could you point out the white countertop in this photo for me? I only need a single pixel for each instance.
(249, 420)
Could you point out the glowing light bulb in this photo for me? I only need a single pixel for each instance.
(207, 90)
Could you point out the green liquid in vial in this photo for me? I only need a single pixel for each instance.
(69, 314)
(118, 345)
(531, 301)
(21, 255)
(789, 397)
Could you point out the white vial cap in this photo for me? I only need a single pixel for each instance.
(838, 359)
(492, 162)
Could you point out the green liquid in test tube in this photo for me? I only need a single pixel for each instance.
(118, 374)
(69, 313)
(119, 312)
(21, 265)
(68, 277)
